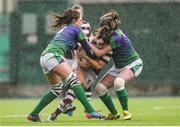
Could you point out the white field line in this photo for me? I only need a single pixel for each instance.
(20, 115)
(90, 126)
(147, 114)
(165, 107)
(23, 115)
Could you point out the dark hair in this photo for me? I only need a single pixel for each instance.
(65, 19)
(104, 33)
(111, 20)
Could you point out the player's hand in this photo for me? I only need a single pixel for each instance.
(83, 54)
(84, 66)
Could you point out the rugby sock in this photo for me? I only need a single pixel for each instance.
(88, 93)
(69, 97)
(60, 108)
(79, 92)
(45, 100)
(123, 98)
(57, 111)
(107, 100)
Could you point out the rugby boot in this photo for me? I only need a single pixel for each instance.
(68, 109)
(34, 118)
(112, 116)
(95, 115)
(127, 115)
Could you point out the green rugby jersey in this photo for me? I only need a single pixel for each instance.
(123, 51)
(65, 40)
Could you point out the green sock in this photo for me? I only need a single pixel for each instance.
(45, 100)
(107, 100)
(123, 98)
(80, 95)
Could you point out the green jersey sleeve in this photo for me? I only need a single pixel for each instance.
(112, 42)
(81, 36)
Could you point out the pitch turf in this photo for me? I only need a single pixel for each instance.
(159, 111)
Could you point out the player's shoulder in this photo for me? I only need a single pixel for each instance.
(74, 27)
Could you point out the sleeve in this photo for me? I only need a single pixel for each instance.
(81, 36)
(88, 50)
(85, 46)
(112, 42)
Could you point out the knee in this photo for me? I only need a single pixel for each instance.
(119, 84)
(100, 89)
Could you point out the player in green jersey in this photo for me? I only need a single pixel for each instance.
(127, 63)
(55, 66)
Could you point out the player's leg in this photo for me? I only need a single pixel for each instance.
(102, 91)
(66, 103)
(64, 71)
(122, 94)
(53, 116)
(89, 78)
(125, 75)
(81, 75)
(65, 106)
(48, 62)
(86, 78)
(56, 89)
(69, 98)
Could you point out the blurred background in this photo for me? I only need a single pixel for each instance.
(152, 25)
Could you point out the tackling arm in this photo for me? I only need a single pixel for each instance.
(95, 64)
(100, 52)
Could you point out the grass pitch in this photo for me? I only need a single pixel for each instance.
(159, 111)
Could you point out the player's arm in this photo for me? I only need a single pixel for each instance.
(100, 52)
(84, 44)
(95, 64)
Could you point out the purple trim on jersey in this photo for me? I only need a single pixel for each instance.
(119, 40)
(116, 37)
(123, 39)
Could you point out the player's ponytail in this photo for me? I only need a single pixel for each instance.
(66, 18)
(111, 20)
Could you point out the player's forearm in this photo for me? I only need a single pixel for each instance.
(99, 52)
